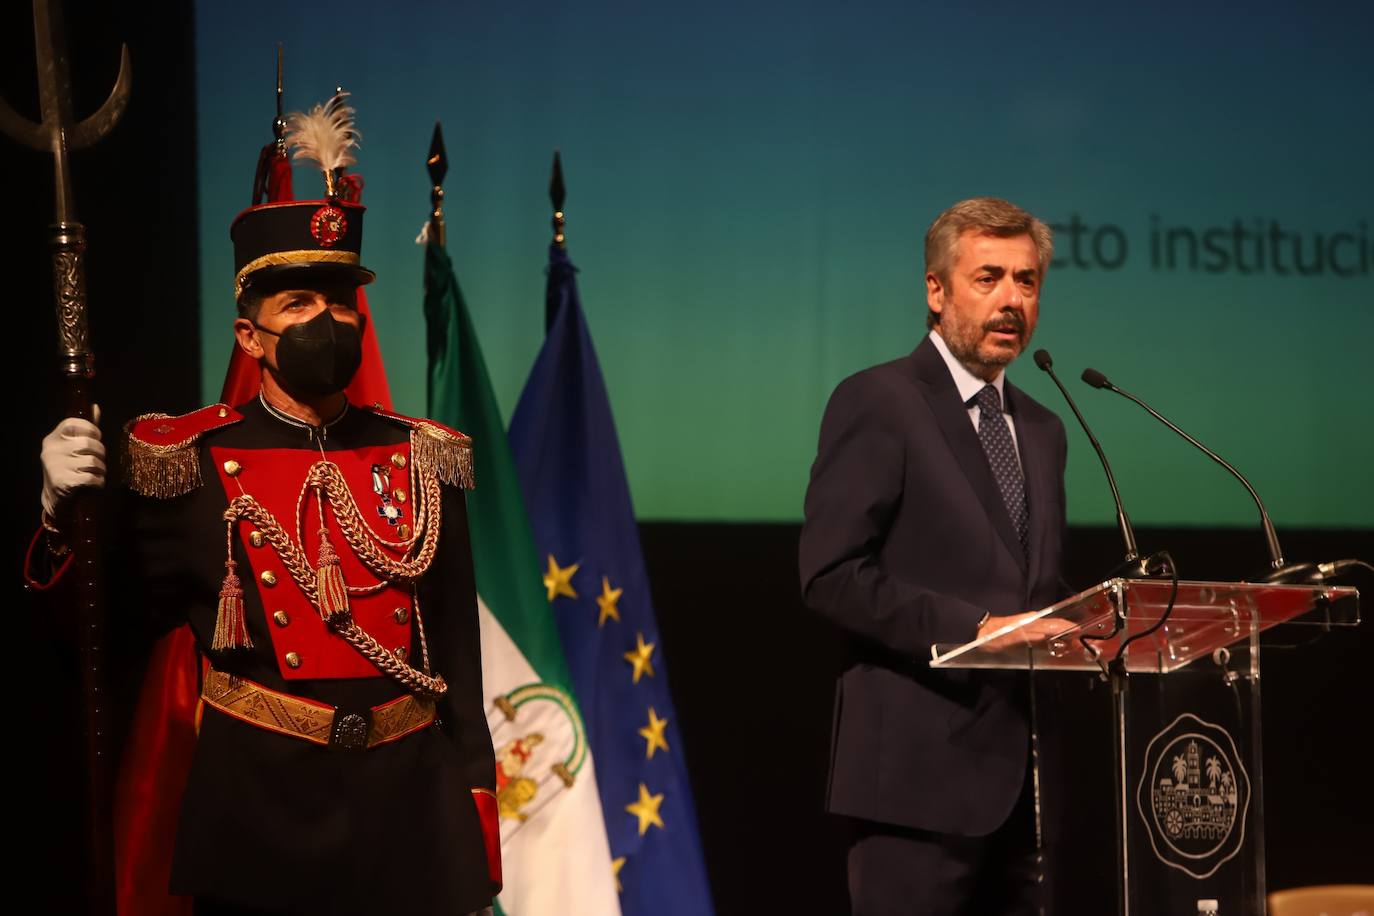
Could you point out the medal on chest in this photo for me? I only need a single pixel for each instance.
(313, 510)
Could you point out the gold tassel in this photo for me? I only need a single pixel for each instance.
(329, 584)
(231, 627)
(449, 456)
(160, 471)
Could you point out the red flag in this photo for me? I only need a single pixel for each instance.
(152, 778)
(272, 182)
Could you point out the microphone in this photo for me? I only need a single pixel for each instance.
(1134, 565)
(1316, 573)
(1278, 571)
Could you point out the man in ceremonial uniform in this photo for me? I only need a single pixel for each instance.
(935, 514)
(320, 552)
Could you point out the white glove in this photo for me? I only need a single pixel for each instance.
(73, 456)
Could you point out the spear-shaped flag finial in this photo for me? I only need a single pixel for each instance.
(272, 179)
(437, 163)
(557, 193)
(279, 125)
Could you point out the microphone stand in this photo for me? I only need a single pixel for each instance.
(1134, 566)
(1278, 571)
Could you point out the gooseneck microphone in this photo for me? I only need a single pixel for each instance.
(1278, 572)
(1134, 566)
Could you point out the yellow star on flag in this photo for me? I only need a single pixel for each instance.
(559, 580)
(646, 809)
(653, 734)
(606, 601)
(616, 866)
(640, 657)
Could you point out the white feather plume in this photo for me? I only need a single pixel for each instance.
(325, 133)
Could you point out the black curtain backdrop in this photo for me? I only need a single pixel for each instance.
(752, 670)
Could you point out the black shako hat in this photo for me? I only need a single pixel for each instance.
(275, 240)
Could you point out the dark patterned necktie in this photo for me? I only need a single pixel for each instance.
(1001, 452)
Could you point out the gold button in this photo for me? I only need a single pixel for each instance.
(403, 530)
(400, 653)
(255, 538)
(402, 614)
(399, 495)
(269, 578)
(399, 460)
(282, 618)
(232, 468)
(293, 660)
(223, 412)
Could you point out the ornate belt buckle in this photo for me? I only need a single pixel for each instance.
(349, 730)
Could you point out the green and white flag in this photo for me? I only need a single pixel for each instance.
(554, 851)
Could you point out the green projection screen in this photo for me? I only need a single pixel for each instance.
(748, 185)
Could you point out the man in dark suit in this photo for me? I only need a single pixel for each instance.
(935, 514)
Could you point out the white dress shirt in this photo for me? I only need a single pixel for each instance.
(969, 385)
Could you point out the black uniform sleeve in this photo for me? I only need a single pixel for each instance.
(449, 611)
(152, 572)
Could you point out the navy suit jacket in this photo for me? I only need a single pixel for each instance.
(907, 543)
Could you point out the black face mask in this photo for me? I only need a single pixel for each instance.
(319, 356)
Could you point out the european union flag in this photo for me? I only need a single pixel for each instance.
(568, 460)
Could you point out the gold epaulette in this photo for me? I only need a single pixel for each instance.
(434, 445)
(160, 455)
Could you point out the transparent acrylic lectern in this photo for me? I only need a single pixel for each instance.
(1185, 722)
